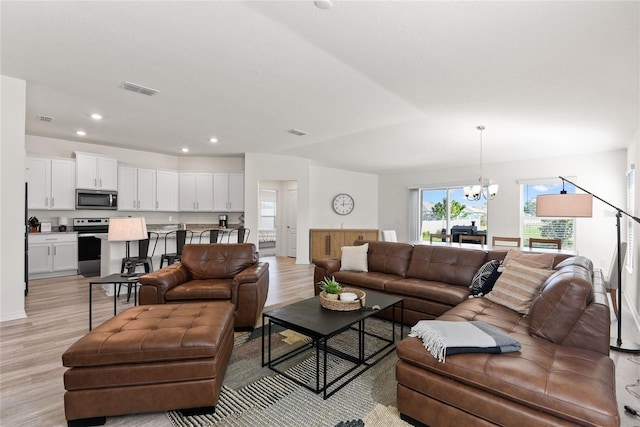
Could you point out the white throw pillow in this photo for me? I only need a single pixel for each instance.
(354, 258)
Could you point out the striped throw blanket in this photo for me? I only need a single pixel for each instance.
(443, 338)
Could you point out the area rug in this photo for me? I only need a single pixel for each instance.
(253, 396)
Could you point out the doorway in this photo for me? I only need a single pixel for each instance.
(277, 222)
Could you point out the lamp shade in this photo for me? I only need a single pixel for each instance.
(565, 205)
(126, 229)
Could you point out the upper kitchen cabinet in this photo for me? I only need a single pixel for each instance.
(166, 191)
(96, 172)
(228, 192)
(136, 189)
(51, 183)
(196, 192)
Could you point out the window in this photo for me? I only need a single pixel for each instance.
(630, 209)
(443, 208)
(546, 228)
(267, 210)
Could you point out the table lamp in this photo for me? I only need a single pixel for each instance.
(125, 230)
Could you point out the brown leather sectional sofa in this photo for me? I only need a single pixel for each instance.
(561, 376)
(213, 272)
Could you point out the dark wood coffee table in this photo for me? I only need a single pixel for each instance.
(309, 318)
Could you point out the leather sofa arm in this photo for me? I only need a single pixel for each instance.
(154, 285)
(325, 267)
(249, 291)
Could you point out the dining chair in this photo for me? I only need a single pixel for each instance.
(181, 240)
(506, 241)
(470, 238)
(441, 237)
(389, 236)
(214, 235)
(611, 281)
(546, 243)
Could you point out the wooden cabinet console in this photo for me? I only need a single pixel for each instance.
(326, 243)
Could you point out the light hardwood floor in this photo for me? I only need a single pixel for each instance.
(31, 385)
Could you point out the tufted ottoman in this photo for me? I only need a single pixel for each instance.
(149, 358)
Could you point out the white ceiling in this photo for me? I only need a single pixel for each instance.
(380, 86)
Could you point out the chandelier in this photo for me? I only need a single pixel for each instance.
(476, 192)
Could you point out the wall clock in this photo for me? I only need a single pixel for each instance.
(343, 204)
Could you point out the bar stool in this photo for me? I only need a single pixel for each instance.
(213, 235)
(181, 240)
(442, 237)
(143, 258)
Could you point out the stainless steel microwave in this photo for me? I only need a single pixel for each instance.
(96, 199)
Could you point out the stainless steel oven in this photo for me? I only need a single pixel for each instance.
(88, 244)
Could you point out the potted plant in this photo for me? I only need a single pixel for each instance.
(331, 286)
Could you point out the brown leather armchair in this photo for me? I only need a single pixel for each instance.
(213, 272)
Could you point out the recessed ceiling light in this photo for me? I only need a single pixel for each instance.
(185, 150)
(81, 133)
(323, 4)
(213, 140)
(96, 116)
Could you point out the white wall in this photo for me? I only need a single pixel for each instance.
(631, 281)
(601, 173)
(326, 183)
(12, 178)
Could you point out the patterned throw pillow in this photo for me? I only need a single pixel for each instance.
(485, 278)
(517, 286)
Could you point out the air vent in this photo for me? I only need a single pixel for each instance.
(134, 87)
(45, 118)
(297, 132)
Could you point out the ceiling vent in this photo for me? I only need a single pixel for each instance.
(297, 132)
(45, 118)
(134, 87)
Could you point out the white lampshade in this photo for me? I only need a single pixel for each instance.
(565, 205)
(127, 229)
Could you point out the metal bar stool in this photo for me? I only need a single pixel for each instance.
(181, 240)
(143, 258)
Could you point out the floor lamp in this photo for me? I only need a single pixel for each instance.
(126, 229)
(580, 205)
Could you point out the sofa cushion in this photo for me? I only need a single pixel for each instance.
(563, 299)
(452, 265)
(354, 258)
(428, 290)
(517, 286)
(484, 279)
(543, 260)
(388, 257)
(370, 280)
(209, 289)
(213, 261)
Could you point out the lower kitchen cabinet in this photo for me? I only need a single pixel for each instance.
(52, 254)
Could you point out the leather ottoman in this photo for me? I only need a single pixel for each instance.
(147, 359)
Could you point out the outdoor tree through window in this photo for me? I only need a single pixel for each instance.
(546, 228)
(441, 209)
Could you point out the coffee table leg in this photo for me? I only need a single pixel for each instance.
(324, 369)
(115, 300)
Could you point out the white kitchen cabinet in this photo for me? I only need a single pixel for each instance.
(96, 172)
(166, 191)
(51, 183)
(53, 254)
(196, 192)
(228, 192)
(136, 189)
